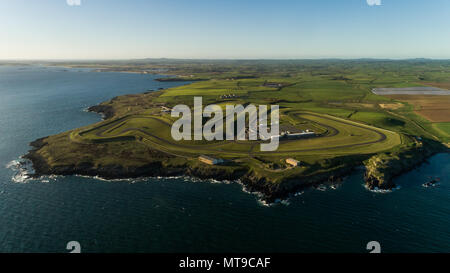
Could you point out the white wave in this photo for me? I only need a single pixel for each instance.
(107, 179)
(20, 178)
(298, 193)
(264, 203)
(431, 185)
(163, 178)
(13, 164)
(335, 186)
(378, 190)
(23, 170)
(321, 188)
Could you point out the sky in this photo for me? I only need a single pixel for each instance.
(224, 29)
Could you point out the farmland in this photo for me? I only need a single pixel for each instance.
(433, 108)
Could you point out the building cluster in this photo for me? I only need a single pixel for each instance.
(273, 84)
(289, 135)
(306, 133)
(228, 96)
(165, 109)
(285, 135)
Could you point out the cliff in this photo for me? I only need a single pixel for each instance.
(382, 168)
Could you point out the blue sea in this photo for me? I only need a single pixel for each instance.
(182, 214)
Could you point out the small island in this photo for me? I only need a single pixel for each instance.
(332, 120)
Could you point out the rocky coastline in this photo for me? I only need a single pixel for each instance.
(268, 190)
(379, 174)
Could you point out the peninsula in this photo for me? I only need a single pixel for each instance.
(330, 119)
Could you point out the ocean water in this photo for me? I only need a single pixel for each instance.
(178, 214)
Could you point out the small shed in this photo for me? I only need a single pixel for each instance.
(210, 160)
(293, 162)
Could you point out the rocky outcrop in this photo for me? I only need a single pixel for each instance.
(217, 173)
(106, 111)
(285, 188)
(381, 169)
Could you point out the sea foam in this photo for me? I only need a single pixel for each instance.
(23, 170)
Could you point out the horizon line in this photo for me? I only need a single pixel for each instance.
(219, 59)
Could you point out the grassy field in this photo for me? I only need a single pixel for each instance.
(443, 127)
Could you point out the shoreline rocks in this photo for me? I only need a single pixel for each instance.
(381, 169)
(106, 111)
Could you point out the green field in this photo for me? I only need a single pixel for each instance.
(444, 127)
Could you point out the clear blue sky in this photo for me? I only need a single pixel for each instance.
(120, 29)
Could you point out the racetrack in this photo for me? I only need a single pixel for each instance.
(341, 137)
